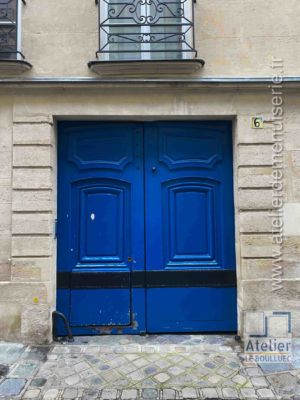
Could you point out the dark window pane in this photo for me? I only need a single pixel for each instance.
(8, 29)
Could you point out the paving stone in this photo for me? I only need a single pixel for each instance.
(266, 394)
(65, 372)
(189, 393)
(51, 394)
(162, 377)
(10, 352)
(31, 394)
(36, 353)
(150, 370)
(149, 394)
(233, 365)
(137, 376)
(109, 394)
(82, 366)
(163, 363)
(11, 387)
(132, 357)
(210, 365)
(169, 394)
(176, 370)
(259, 382)
(186, 363)
(228, 383)
(209, 393)
(90, 394)
(24, 370)
(129, 394)
(38, 382)
(230, 393)
(248, 394)
(239, 379)
(224, 371)
(214, 379)
(253, 371)
(72, 380)
(3, 370)
(70, 394)
(95, 381)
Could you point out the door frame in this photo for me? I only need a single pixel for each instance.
(133, 329)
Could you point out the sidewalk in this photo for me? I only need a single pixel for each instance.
(149, 367)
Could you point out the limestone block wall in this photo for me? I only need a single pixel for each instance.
(28, 191)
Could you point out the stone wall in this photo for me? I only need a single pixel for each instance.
(28, 190)
(234, 37)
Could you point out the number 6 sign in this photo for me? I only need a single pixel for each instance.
(257, 123)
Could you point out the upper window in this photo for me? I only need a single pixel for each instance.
(10, 30)
(146, 29)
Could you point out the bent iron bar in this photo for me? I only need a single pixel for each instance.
(142, 279)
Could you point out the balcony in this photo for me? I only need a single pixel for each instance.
(12, 61)
(146, 37)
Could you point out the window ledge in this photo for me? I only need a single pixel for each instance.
(14, 67)
(146, 67)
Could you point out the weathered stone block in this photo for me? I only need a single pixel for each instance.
(251, 199)
(32, 200)
(5, 273)
(23, 293)
(32, 156)
(5, 247)
(32, 178)
(256, 221)
(5, 139)
(295, 158)
(5, 218)
(252, 268)
(255, 155)
(284, 299)
(10, 320)
(255, 177)
(31, 269)
(5, 195)
(32, 133)
(245, 133)
(32, 223)
(291, 218)
(36, 324)
(291, 246)
(31, 246)
(256, 246)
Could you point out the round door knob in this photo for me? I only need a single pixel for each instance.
(154, 169)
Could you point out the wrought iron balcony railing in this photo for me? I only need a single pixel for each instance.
(146, 29)
(10, 29)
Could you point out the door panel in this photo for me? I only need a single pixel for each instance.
(189, 215)
(191, 309)
(101, 234)
(189, 220)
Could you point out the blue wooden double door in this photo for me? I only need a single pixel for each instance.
(146, 227)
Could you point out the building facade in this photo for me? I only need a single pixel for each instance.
(142, 172)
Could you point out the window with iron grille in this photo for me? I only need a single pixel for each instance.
(10, 30)
(146, 29)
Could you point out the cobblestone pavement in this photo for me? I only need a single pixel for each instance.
(149, 367)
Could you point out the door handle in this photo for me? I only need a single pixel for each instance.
(130, 259)
(154, 169)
